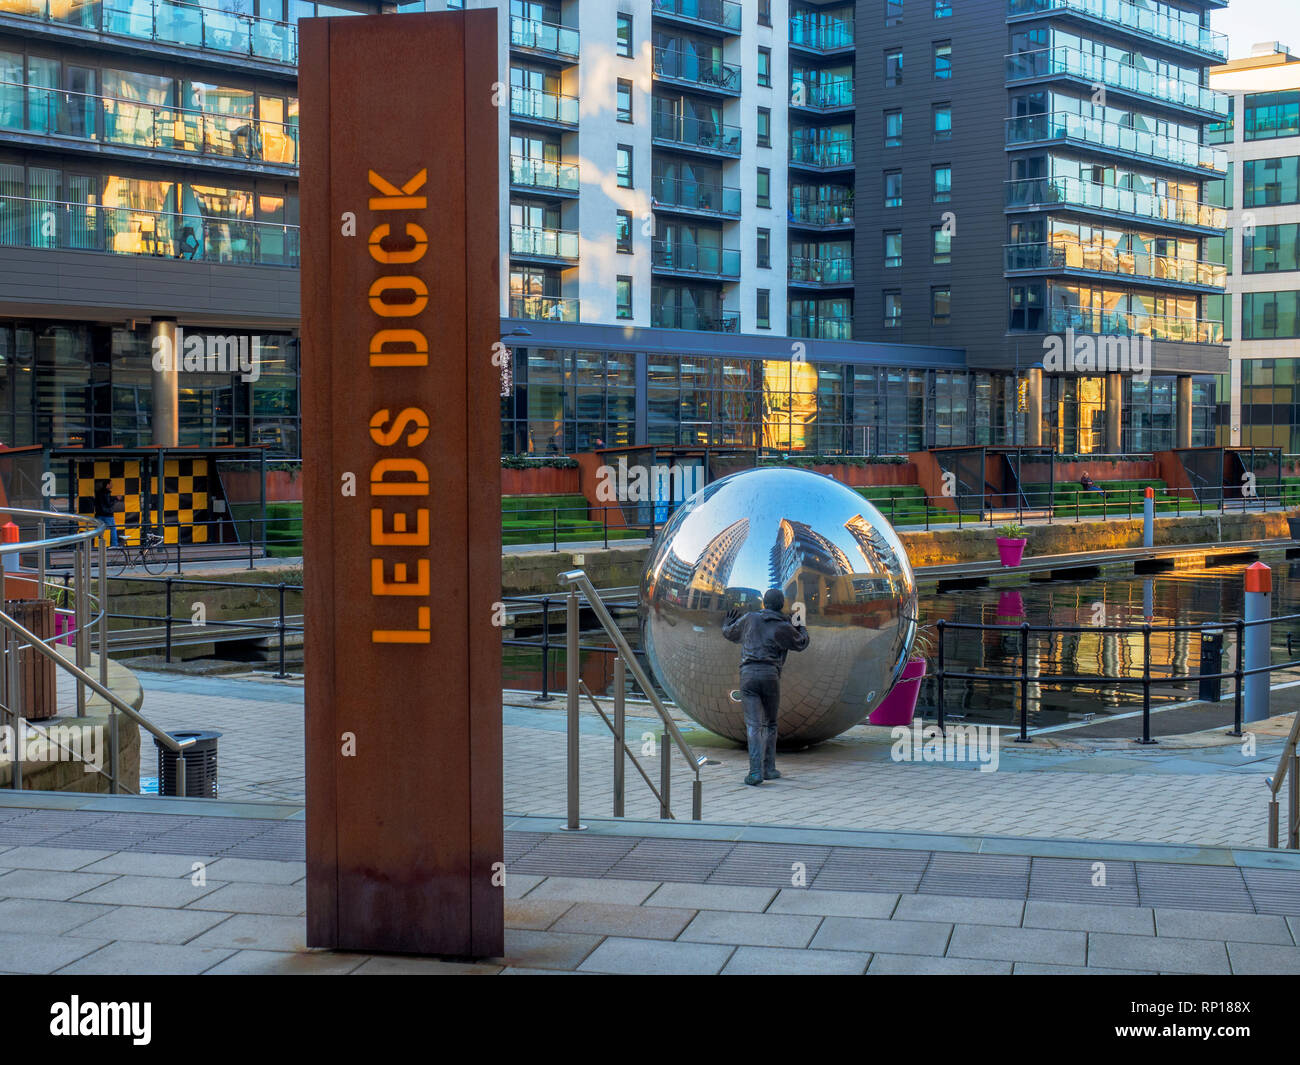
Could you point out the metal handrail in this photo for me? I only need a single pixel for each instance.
(578, 581)
(1288, 763)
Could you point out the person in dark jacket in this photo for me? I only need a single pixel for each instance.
(764, 637)
(1089, 485)
(104, 503)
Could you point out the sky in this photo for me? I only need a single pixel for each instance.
(1247, 22)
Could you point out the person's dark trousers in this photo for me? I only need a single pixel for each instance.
(760, 695)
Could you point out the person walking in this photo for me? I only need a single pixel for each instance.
(764, 637)
(105, 501)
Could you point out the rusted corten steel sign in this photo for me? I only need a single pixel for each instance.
(402, 482)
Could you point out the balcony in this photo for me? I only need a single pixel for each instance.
(667, 316)
(821, 155)
(537, 105)
(169, 23)
(696, 260)
(808, 271)
(110, 122)
(695, 197)
(703, 135)
(54, 224)
(831, 94)
(1085, 66)
(697, 71)
(1067, 126)
(543, 38)
(1072, 192)
(1136, 265)
(705, 14)
(819, 215)
(813, 328)
(544, 308)
(821, 35)
(544, 175)
(1120, 323)
(1159, 23)
(535, 242)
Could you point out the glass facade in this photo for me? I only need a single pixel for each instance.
(1270, 404)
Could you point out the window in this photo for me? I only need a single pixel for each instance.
(940, 306)
(763, 308)
(942, 122)
(1272, 114)
(942, 183)
(764, 249)
(943, 8)
(893, 249)
(893, 12)
(1270, 181)
(623, 288)
(624, 36)
(1269, 249)
(1221, 132)
(764, 193)
(623, 232)
(765, 66)
(893, 188)
(764, 127)
(1268, 315)
(941, 240)
(893, 129)
(624, 167)
(894, 67)
(942, 60)
(765, 12)
(893, 310)
(624, 100)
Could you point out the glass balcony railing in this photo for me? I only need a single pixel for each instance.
(695, 195)
(1136, 263)
(54, 224)
(549, 243)
(820, 34)
(1117, 323)
(822, 153)
(715, 320)
(822, 214)
(698, 69)
(539, 36)
(821, 271)
(169, 22)
(544, 308)
(1073, 192)
(1100, 71)
(1065, 125)
(695, 259)
(547, 106)
(722, 13)
(813, 328)
(107, 120)
(825, 94)
(1153, 19)
(696, 132)
(546, 174)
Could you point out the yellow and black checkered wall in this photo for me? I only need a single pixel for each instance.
(185, 497)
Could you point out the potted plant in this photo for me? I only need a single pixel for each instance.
(1012, 539)
(899, 705)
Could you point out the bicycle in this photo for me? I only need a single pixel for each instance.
(150, 554)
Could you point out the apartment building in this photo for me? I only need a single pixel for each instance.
(1261, 192)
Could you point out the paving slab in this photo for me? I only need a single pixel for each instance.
(139, 863)
(584, 889)
(921, 965)
(63, 858)
(47, 884)
(256, 931)
(834, 903)
(1033, 968)
(960, 910)
(149, 924)
(634, 922)
(149, 891)
(257, 871)
(46, 917)
(751, 929)
(35, 953)
(283, 899)
(713, 897)
(1085, 917)
(401, 965)
(1164, 954)
(1207, 924)
(1018, 944)
(535, 913)
(547, 950)
(873, 935)
(151, 959)
(775, 961)
(635, 956)
(287, 963)
(1263, 959)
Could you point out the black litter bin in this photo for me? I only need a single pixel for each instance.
(200, 765)
(1210, 688)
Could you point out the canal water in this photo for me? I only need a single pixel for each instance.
(1183, 597)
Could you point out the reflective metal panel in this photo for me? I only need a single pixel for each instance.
(824, 546)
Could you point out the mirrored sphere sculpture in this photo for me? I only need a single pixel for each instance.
(824, 546)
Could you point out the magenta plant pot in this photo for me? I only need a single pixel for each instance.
(1011, 551)
(899, 705)
(63, 626)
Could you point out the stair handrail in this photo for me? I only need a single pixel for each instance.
(1288, 764)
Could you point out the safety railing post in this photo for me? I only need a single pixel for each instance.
(1146, 684)
(604, 525)
(555, 528)
(281, 675)
(167, 621)
(938, 677)
(1238, 675)
(81, 650)
(546, 650)
(251, 538)
(1024, 684)
(1293, 815)
(619, 732)
(181, 774)
(103, 610)
(572, 674)
(40, 560)
(665, 777)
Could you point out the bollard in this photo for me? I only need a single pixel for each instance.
(1149, 518)
(10, 535)
(1259, 608)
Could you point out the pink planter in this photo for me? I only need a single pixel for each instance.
(64, 623)
(1011, 605)
(899, 705)
(1011, 551)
